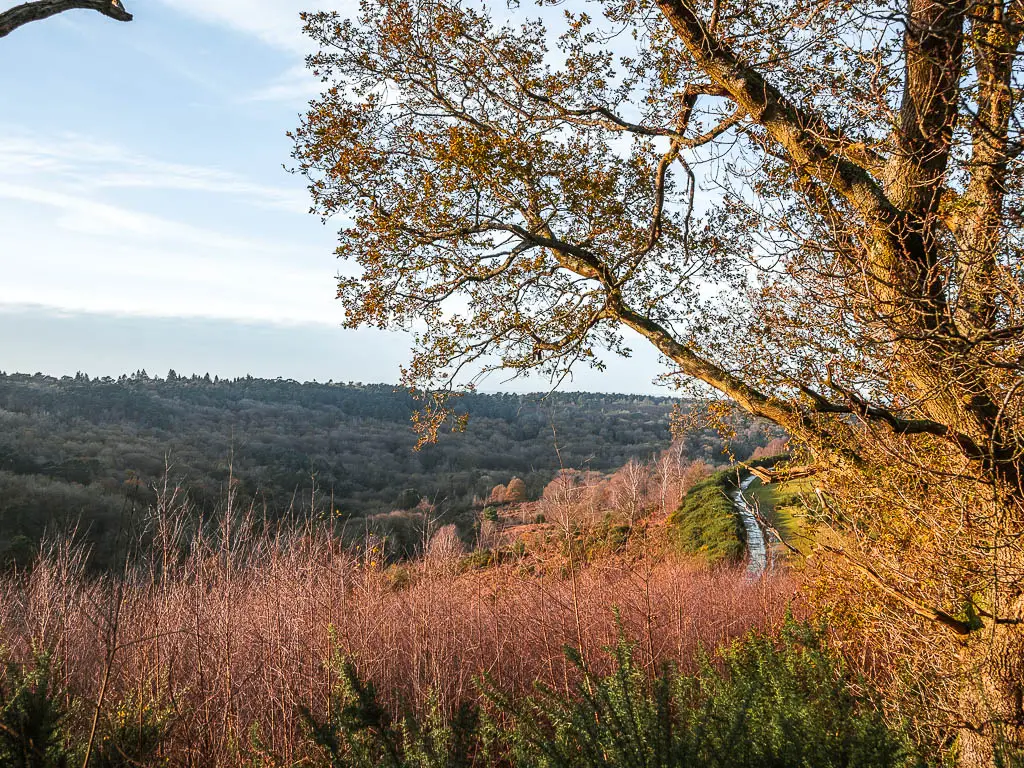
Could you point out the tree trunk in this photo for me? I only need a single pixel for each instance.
(992, 692)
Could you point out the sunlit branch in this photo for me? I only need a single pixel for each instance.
(917, 608)
(578, 115)
(805, 136)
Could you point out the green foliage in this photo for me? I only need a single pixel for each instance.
(481, 558)
(486, 558)
(131, 736)
(785, 506)
(32, 718)
(775, 703)
(706, 523)
(624, 719)
(359, 734)
(589, 543)
(786, 702)
(36, 729)
(789, 702)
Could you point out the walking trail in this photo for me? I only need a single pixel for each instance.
(757, 553)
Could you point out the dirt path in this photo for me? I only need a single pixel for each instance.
(757, 553)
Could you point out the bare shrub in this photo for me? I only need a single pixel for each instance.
(690, 475)
(674, 475)
(233, 647)
(573, 498)
(444, 548)
(516, 490)
(497, 494)
(774, 448)
(628, 491)
(489, 535)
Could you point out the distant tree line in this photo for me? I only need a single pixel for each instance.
(88, 451)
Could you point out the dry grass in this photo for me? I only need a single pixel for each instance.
(233, 642)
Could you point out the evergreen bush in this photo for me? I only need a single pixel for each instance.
(32, 717)
(786, 702)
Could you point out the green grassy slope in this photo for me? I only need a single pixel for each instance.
(782, 506)
(706, 524)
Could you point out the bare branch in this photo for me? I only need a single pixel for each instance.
(772, 475)
(22, 14)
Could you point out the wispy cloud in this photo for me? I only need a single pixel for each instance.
(102, 258)
(293, 85)
(87, 165)
(83, 215)
(77, 234)
(275, 22)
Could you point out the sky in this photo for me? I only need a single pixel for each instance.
(147, 216)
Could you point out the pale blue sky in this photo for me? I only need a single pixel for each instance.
(147, 220)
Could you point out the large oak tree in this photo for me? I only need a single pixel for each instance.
(812, 208)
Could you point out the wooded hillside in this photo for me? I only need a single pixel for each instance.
(86, 449)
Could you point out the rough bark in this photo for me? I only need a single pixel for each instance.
(25, 13)
(991, 704)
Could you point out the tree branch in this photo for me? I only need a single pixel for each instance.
(933, 59)
(994, 42)
(599, 114)
(925, 612)
(766, 475)
(22, 14)
(861, 407)
(805, 136)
